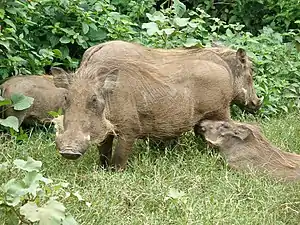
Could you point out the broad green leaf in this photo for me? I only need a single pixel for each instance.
(69, 220)
(31, 181)
(97, 35)
(168, 31)
(2, 13)
(64, 3)
(181, 22)
(14, 189)
(4, 101)
(57, 53)
(11, 122)
(53, 213)
(54, 40)
(85, 28)
(93, 26)
(190, 42)
(192, 25)
(46, 53)
(5, 44)
(30, 211)
(65, 40)
(10, 23)
(29, 165)
(81, 40)
(17, 59)
(151, 27)
(229, 32)
(65, 51)
(179, 8)
(21, 102)
(156, 16)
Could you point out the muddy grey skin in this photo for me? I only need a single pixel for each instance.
(193, 90)
(236, 61)
(47, 97)
(245, 148)
(134, 99)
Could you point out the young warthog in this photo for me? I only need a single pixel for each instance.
(237, 62)
(135, 99)
(46, 96)
(245, 148)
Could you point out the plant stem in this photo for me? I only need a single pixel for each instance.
(21, 218)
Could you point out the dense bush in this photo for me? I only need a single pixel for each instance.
(34, 199)
(38, 34)
(255, 14)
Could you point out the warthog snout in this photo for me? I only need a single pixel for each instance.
(69, 153)
(72, 145)
(255, 104)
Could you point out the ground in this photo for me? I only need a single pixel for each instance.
(212, 193)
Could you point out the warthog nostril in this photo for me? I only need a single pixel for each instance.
(69, 154)
(202, 127)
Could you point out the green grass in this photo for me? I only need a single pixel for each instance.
(213, 194)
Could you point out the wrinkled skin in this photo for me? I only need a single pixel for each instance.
(206, 82)
(245, 148)
(236, 61)
(135, 100)
(47, 97)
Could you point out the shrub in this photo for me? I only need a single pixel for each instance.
(254, 14)
(17, 102)
(34, 198)
(38, 33)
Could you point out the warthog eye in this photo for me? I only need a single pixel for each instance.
(95, 104)
(94, 98)
(225, 125)
(67, 100)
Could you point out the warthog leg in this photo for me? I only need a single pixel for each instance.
(122, 152)
(105, 151)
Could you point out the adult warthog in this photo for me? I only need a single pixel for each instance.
(136, 99)
(47, 97)
(236, 61)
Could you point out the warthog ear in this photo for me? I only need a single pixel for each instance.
(242, 132)
(110, 81)
(60, 77)
(241, 55)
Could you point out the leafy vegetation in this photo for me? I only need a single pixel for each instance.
(18, 102)
(255, 14)
(34, 197)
